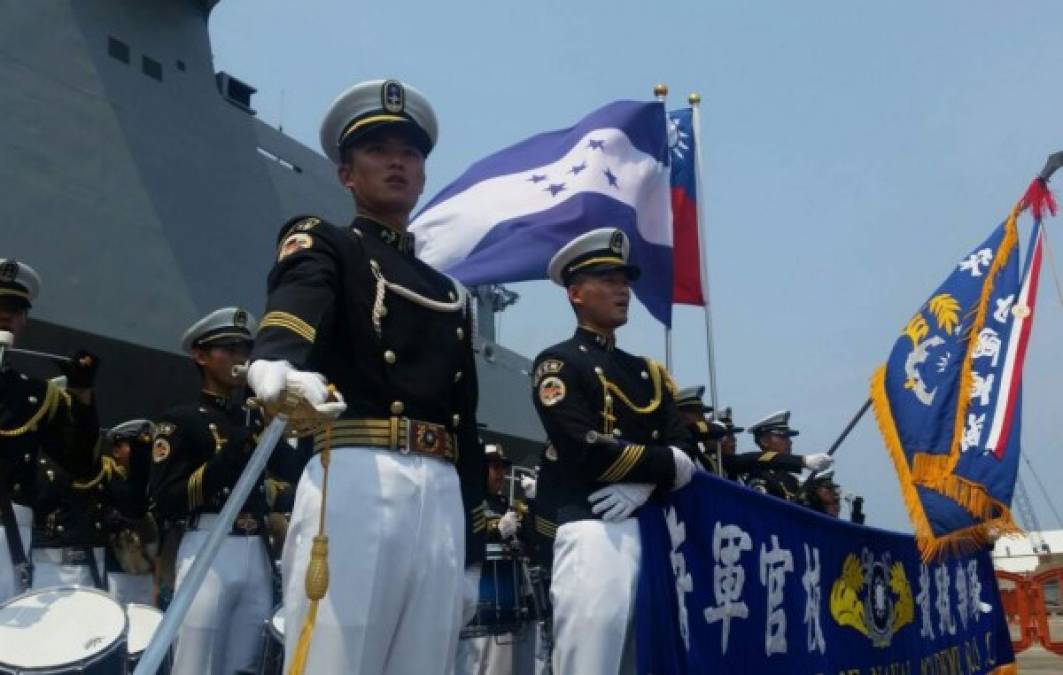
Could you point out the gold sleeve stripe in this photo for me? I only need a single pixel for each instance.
(195, 489)
(545, 527)
(767, 456)
(291, 322)
(623, 464)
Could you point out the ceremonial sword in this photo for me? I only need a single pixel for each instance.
(182, 599)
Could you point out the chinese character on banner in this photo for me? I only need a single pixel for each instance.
(728, 578)
(926, 622)
(684, 582)
(813, 595)
(774, 564)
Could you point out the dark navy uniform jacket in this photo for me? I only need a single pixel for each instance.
(739, 465)
(587, 384)
(39, 419)
(199, 452)
(334, 308)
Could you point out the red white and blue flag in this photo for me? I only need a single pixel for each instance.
(686, 285)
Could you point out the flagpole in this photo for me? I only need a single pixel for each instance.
(660, 92)
(710, 343)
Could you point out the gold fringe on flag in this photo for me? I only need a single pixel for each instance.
(935, 472)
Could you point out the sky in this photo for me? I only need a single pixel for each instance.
(853, 152)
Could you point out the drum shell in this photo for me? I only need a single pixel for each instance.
(134, 657)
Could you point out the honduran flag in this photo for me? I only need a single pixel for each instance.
(509, 213)
(682, 147)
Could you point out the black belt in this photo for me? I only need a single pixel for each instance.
(398, 434)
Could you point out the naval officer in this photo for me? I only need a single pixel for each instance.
(405, 475)
(615, 438)
(776, 463)
(198, 453)
(41, 426)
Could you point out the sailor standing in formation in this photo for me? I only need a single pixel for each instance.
(354, 306)
(776, 464)
(42, 428)
(590, 483)
(198, 454)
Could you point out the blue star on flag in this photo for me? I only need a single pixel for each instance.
(611, 177)
(537, 178)
(555, 188)
(596, 145)
(575, 170)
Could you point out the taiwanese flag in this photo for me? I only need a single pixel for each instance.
(686, 284)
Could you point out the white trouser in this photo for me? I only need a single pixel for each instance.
(10, 585)
(127, 588)
(222, 632)
(593, 592)
(396, 532)
(49, 570)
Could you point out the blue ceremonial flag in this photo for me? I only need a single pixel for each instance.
(948, 400)
(733, 581)
(508, 214)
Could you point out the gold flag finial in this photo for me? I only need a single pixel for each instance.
(660, 90)
(694, 98)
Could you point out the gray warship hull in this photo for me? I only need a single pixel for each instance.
(141, 185)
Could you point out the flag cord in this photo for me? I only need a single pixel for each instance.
(1052, 266)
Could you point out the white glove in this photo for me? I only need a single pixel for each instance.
(820, 461)
(507, 524)
(684, 468)
(619, 500)
(527, 483)
(271, 379)
(267, 378)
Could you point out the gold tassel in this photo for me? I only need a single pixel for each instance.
(317, 572)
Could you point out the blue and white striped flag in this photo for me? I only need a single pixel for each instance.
(507, 215)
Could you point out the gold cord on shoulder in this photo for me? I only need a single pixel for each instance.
(608, 388)
(48, 407)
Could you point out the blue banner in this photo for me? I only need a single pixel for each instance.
(733, 581)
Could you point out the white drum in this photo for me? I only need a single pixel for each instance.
(144, 620)
(62, 629)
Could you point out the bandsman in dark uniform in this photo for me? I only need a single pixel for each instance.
(198, 453)
(131, 532)
(45, 429)
(354, 306)
(615, 437)
(490, 655)
(777, 465)
(821, 493)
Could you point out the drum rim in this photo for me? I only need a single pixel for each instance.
(93, 659)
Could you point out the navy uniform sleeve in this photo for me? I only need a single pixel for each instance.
(562, 397)
(759, 461)
(302, 289)
(71, 432)
(180, 483)
(673, 431)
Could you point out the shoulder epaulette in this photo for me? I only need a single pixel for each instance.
(302, 223)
